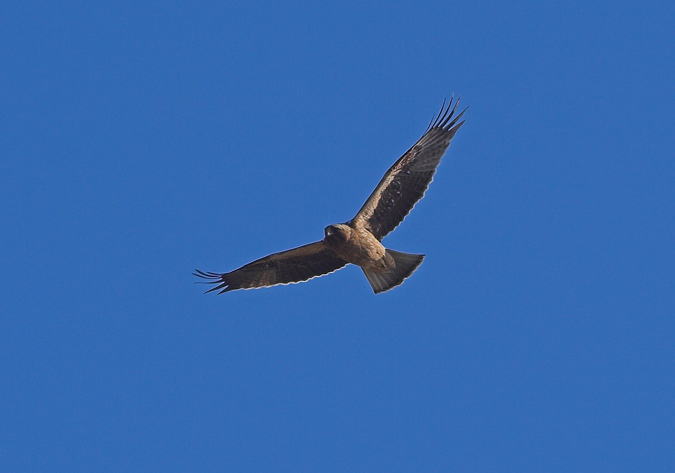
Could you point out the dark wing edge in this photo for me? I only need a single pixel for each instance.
(287, 267)
(405, 183)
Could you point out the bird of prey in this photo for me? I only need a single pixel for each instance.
(358, 241)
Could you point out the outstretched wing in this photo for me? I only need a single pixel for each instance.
(296, 265)
(407, 180)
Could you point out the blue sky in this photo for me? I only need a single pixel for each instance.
(143, 140)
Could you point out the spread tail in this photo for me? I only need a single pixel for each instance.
(405, 265)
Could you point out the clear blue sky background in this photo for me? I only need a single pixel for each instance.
(141, 140)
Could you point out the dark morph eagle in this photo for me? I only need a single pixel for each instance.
(358, 241)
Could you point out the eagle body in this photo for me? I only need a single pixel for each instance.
(357, 246)
(359, 241)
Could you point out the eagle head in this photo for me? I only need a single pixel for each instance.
(336, 234)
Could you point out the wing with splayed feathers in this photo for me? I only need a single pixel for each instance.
(406, 181)
(291, 266)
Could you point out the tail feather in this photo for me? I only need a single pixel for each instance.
(406, 264)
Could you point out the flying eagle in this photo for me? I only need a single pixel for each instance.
(358, 240)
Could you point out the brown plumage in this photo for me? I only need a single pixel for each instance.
(359, 240)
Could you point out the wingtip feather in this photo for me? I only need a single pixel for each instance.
(446, 117)
(212, 278)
